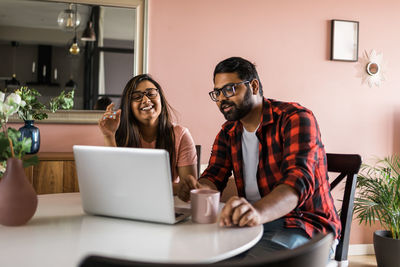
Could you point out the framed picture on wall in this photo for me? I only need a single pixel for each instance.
(344, 40)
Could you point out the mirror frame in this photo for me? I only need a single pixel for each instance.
(140, 64)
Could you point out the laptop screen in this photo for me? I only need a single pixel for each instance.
(132, 183)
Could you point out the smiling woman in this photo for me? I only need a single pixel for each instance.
(40, 57)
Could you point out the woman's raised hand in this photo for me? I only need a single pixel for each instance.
(110, 120)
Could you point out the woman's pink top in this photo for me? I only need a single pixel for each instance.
(185, 150)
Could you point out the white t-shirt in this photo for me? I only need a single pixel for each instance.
(250, 153)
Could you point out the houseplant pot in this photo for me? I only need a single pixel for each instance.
(379, 200)
(18, 200)
(387, 249)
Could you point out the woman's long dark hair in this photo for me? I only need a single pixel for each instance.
(128, 133)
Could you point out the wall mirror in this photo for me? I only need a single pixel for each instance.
(372, 68)
(91, 46)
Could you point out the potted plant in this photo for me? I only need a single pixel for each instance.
(18, 200)
(34, 110)
(378, 199)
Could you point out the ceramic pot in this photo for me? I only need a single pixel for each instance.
(31, 131)
(387, 249)
(18, 199)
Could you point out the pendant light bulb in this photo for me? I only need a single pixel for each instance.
(74, 49)
(70, 22)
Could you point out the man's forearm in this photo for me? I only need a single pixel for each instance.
(279, 202)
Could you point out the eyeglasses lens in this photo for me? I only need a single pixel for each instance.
(227, 91)
(150, 93)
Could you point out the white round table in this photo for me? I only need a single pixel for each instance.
(60, 234)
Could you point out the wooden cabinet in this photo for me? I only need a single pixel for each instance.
(55, 173)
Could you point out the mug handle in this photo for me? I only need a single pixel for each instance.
(208, 206)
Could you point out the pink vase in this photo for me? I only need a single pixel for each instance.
(18, 199)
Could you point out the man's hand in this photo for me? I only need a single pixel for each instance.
(237, 211)
(188, 183)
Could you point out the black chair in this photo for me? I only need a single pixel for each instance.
(312, 254)
(198, 151)
(347, 165)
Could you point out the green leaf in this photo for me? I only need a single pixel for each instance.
(30, 161)
(20, 146)
(63, 101)
(34, 110)
(378, 196)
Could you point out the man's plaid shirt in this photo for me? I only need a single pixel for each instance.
(290, 152)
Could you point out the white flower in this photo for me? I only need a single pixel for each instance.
(11, 105)
(13, 99)
(2, 95)
(2, 168)
(23, 103)
(9, 109)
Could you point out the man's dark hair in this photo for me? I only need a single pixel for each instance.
(244, 69)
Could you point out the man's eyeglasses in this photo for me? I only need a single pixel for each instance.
(151, 93)
(228, 90)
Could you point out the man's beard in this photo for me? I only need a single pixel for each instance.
(237, 112)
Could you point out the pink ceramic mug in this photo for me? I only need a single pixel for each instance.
(205, 203)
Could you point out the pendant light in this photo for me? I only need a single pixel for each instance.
(74, 49)
(71, 84)
(88, 34)
(13, 83)
(69, 19)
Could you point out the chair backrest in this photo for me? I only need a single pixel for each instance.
(347, 165)
(312, 254)
(198, 151)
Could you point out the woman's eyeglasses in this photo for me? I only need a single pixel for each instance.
(151, 93)
(228, 90)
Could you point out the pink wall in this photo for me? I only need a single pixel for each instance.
(290, 43)
(61, 137)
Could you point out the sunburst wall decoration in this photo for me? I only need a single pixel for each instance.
(371, 68)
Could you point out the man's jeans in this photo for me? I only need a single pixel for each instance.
(275, 237)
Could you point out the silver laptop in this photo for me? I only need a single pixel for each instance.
(131, 183)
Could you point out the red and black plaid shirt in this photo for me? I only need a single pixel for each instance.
(290, 152)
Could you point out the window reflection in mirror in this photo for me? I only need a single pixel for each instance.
(35, 50)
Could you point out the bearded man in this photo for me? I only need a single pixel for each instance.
(278, 160)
